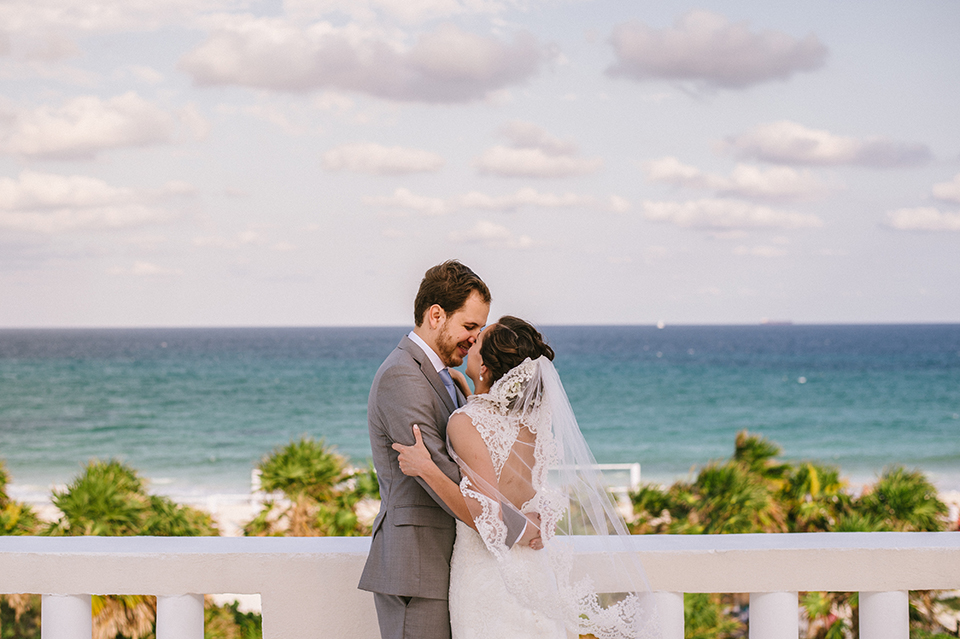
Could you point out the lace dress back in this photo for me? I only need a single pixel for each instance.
(481, 606)
(542, 465)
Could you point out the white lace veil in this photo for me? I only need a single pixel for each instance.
(545, 466)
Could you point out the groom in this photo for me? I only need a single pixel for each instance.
(408, 568)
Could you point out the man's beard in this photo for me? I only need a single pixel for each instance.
(448, 350)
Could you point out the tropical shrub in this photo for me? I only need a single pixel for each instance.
(321, 493)
(15, 518)
(754, 492)
(227, 622)
(109, 498)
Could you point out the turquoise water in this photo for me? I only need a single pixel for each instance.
(194, 409)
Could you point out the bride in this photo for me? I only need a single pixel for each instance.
(519, 447)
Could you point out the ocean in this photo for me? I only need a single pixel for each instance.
(193, 410)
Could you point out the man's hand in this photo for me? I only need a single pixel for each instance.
(531, 533)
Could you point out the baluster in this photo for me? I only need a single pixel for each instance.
(774, 615)
(885, 615)
(180, 617)
(669, 611)
(66, 617)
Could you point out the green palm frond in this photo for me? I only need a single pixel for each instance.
(302, 467)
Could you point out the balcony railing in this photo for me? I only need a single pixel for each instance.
(308, 585)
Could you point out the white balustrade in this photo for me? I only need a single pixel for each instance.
(66, 617)
(307, 586)
(180, 617)
(774, 615)
(885, 615)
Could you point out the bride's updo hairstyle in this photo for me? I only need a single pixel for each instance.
(508, 342)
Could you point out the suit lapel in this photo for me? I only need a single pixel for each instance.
(426, 367)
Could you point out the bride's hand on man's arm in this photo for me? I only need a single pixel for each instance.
(415, 460)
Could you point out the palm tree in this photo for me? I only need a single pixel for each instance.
(109, 498)
(755, 492)
(736, 500)
(303, 467)
(906, 501)
(814, 497)
(758, 455)
(321, 490)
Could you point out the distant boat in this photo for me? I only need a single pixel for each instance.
(660, 324)
(770, 322)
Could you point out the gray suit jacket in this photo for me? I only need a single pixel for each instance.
(414, 532)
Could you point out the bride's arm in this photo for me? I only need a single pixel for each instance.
(415, 461)
(468, 445)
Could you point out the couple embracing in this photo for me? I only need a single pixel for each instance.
(481, 490)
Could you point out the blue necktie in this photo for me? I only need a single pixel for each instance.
(448, 382)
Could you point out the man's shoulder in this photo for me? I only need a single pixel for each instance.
(402, 362)
(406, 354)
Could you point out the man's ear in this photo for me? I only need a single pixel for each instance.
(436, 316)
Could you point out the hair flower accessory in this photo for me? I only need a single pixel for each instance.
(508, 388)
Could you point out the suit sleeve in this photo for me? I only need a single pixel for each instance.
(404, 398)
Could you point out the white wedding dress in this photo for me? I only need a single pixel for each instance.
(481, 606)
(498, 591)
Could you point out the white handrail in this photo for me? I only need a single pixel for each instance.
(308, 585)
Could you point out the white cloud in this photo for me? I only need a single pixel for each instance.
(527, 197)
(91, 16)
(532, 163)
(242, 238)
(48, 203)
(725, 214)
(619, 204)
(791, 143)
(923, 219)
(760, 251)
(527, 135)
(491, 235)
(445, 65)
(64, 220)
(33, 190)
(404, 199)
(145, 269)
(48, 47)
(777, 183)
(534, 153)
(145, 74)
(409, 11)
(948, 191)
(84, 126)
(708, 49)
(381, 160)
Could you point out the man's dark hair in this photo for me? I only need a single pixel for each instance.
(449, 285)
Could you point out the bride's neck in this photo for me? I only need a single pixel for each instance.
(481, 386)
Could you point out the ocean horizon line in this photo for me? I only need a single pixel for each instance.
(660, 324)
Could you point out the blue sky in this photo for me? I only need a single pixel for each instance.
(224, 163)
